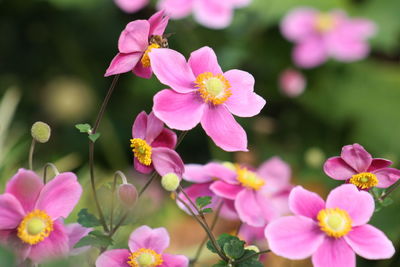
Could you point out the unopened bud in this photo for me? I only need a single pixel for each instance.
(292, 83)
(128, 195)
(41, 132)
(253, 248)
(170, 181)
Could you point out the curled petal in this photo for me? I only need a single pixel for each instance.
(166, 138)
(158, 23)
(139, 127)
(134, 38)
(357, 157)
(166, 160)
(156, 239)
(338, 169)
(379, 164)
(387, 177)
(122, 63)
(154, 128)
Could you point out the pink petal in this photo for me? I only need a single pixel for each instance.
(144, 237)
(213, 14)
(197, 190)
(174, 261)
(357, 157)
(219, 171)
(59, 197)
(306, 203)
(166, 160)
(76, 232)
(334, 253)
(141, 167)
(346, 48)
(370, 242)
(225, 190)
(25, 186)
(171, 69)
(166, 138)
(139, 127)
(131, 6)
(240, 3)
(10, 240)
(122, 63)
(158, 23)
(358, 204)
(226, 133)
(387, 177)
(135, 37)
(276, 172)
(310, 53)
(54, 246)
(204, 60)
(114, 258)
(298, 24)
(228, 210)
(11, 212)
(196, 173)
(294, 237)
(178, 111)
(142, 71)
(177, 9)
(362, 28)
(251, 234)
(379, 164)
(338, 169)
(154, 127)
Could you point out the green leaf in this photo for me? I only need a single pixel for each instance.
(207, 210)
(94, 137)
(250, 263)
(221, 264)
(201, 202)
(234, 248)
(222, 240)
(6, 257)
(95, 238)
(87, 219)
(83, 128)
(387, 201)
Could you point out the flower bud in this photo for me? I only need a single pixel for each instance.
(127, 195)
(170, 181)
(253, 248)
(41, 132)
(292, 83)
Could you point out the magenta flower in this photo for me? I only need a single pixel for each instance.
(131, 6)
(216, 14)
(31, 215)
(321, 35)
(331, 232)
(292, 83)
(146, 247)
(259, 196)
(153, 146)
(201, 92)
(356, 166)
(135, 42)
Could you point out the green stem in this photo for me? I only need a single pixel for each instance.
(252, 255)
(53, 167)
(31, 150)
(389, 191)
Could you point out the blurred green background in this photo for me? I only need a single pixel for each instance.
(53, 54)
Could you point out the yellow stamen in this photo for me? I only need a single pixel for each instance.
(213, 88)
(146, 59)
(324, 22)
(35, 227)
(249, 179)
(141, 151)
(145, 258)
(334, 222)
(364, 180)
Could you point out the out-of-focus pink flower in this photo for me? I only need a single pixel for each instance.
(292, 83)
(201, 92)
(332, 232)
(75, 233)
(32, 216)
(358, 167)
(215, 14)
(135, 43)
(319, 36)
(131, 6)
(251, 234)
(146, 247)
(260, 196)
(153, 146)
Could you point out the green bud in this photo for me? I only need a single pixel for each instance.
(41, 132)
(170, 181)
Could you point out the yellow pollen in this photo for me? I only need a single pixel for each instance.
(146, 59)
(334, 222)
(35, 227)
(249, 179)
(213, 88)
(145, 258)
(141, 151)
(324, 22)
(364, 180)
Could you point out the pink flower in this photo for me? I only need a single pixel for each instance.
(259, 196)
(358, 167)
(131, 6)
(321, 35)
(251, 234)
(135, 42)
(292, 82)
(146, 247)
(31, 215)
(331, 232)
(153, 146)
(216, 14)
(201, 92)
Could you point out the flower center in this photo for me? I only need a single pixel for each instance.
(141, 151)
(146, 59)
(213, 88)
(364, 180)
(324, 22)
(145, 258)
(35, 227)
(334, 222)
(249, 179)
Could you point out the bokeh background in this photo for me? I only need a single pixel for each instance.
(53, 54)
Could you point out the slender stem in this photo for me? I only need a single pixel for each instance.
(389, 191)
(124, 181)
(238, 228)
(252, 255)
(148, 183)
(31, 150)
(190, 201)
(180, 138)
(53, 167)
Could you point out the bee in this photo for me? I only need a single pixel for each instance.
(161, 40)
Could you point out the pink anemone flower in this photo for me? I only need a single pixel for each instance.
(201, 92)
(131, 6)
(259, 196)
(215, 14)
(332, 232)
(153, 146)
(292, 82)
(135, 42)
(146, 247)
(356, 166)
(321, 35)
(32, 216)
